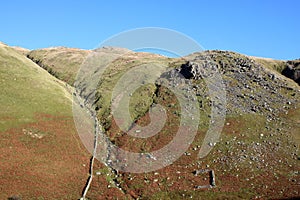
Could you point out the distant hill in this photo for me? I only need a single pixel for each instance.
(61, 62)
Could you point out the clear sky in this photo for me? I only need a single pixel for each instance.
(266, 28)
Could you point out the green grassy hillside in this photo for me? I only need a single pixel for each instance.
(26, 89)
(40, 153)
(61, 62)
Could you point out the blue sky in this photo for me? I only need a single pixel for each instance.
(266, 28)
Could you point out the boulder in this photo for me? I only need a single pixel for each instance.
(292, 70)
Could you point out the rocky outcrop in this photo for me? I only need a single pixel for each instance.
(292, 70)
(250, 86)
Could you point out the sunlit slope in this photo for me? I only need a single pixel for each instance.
(40, 153)
(26, 89)
(61, 62)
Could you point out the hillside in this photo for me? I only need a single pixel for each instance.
(61, 62)
(257, 154)
(40, 152)
(290, 69)
(256, 157)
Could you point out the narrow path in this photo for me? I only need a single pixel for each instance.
(89, 181)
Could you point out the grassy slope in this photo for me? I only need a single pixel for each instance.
(27, 89)
(61, 62)
(277, 65)
(141, 100)
(40, 152)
